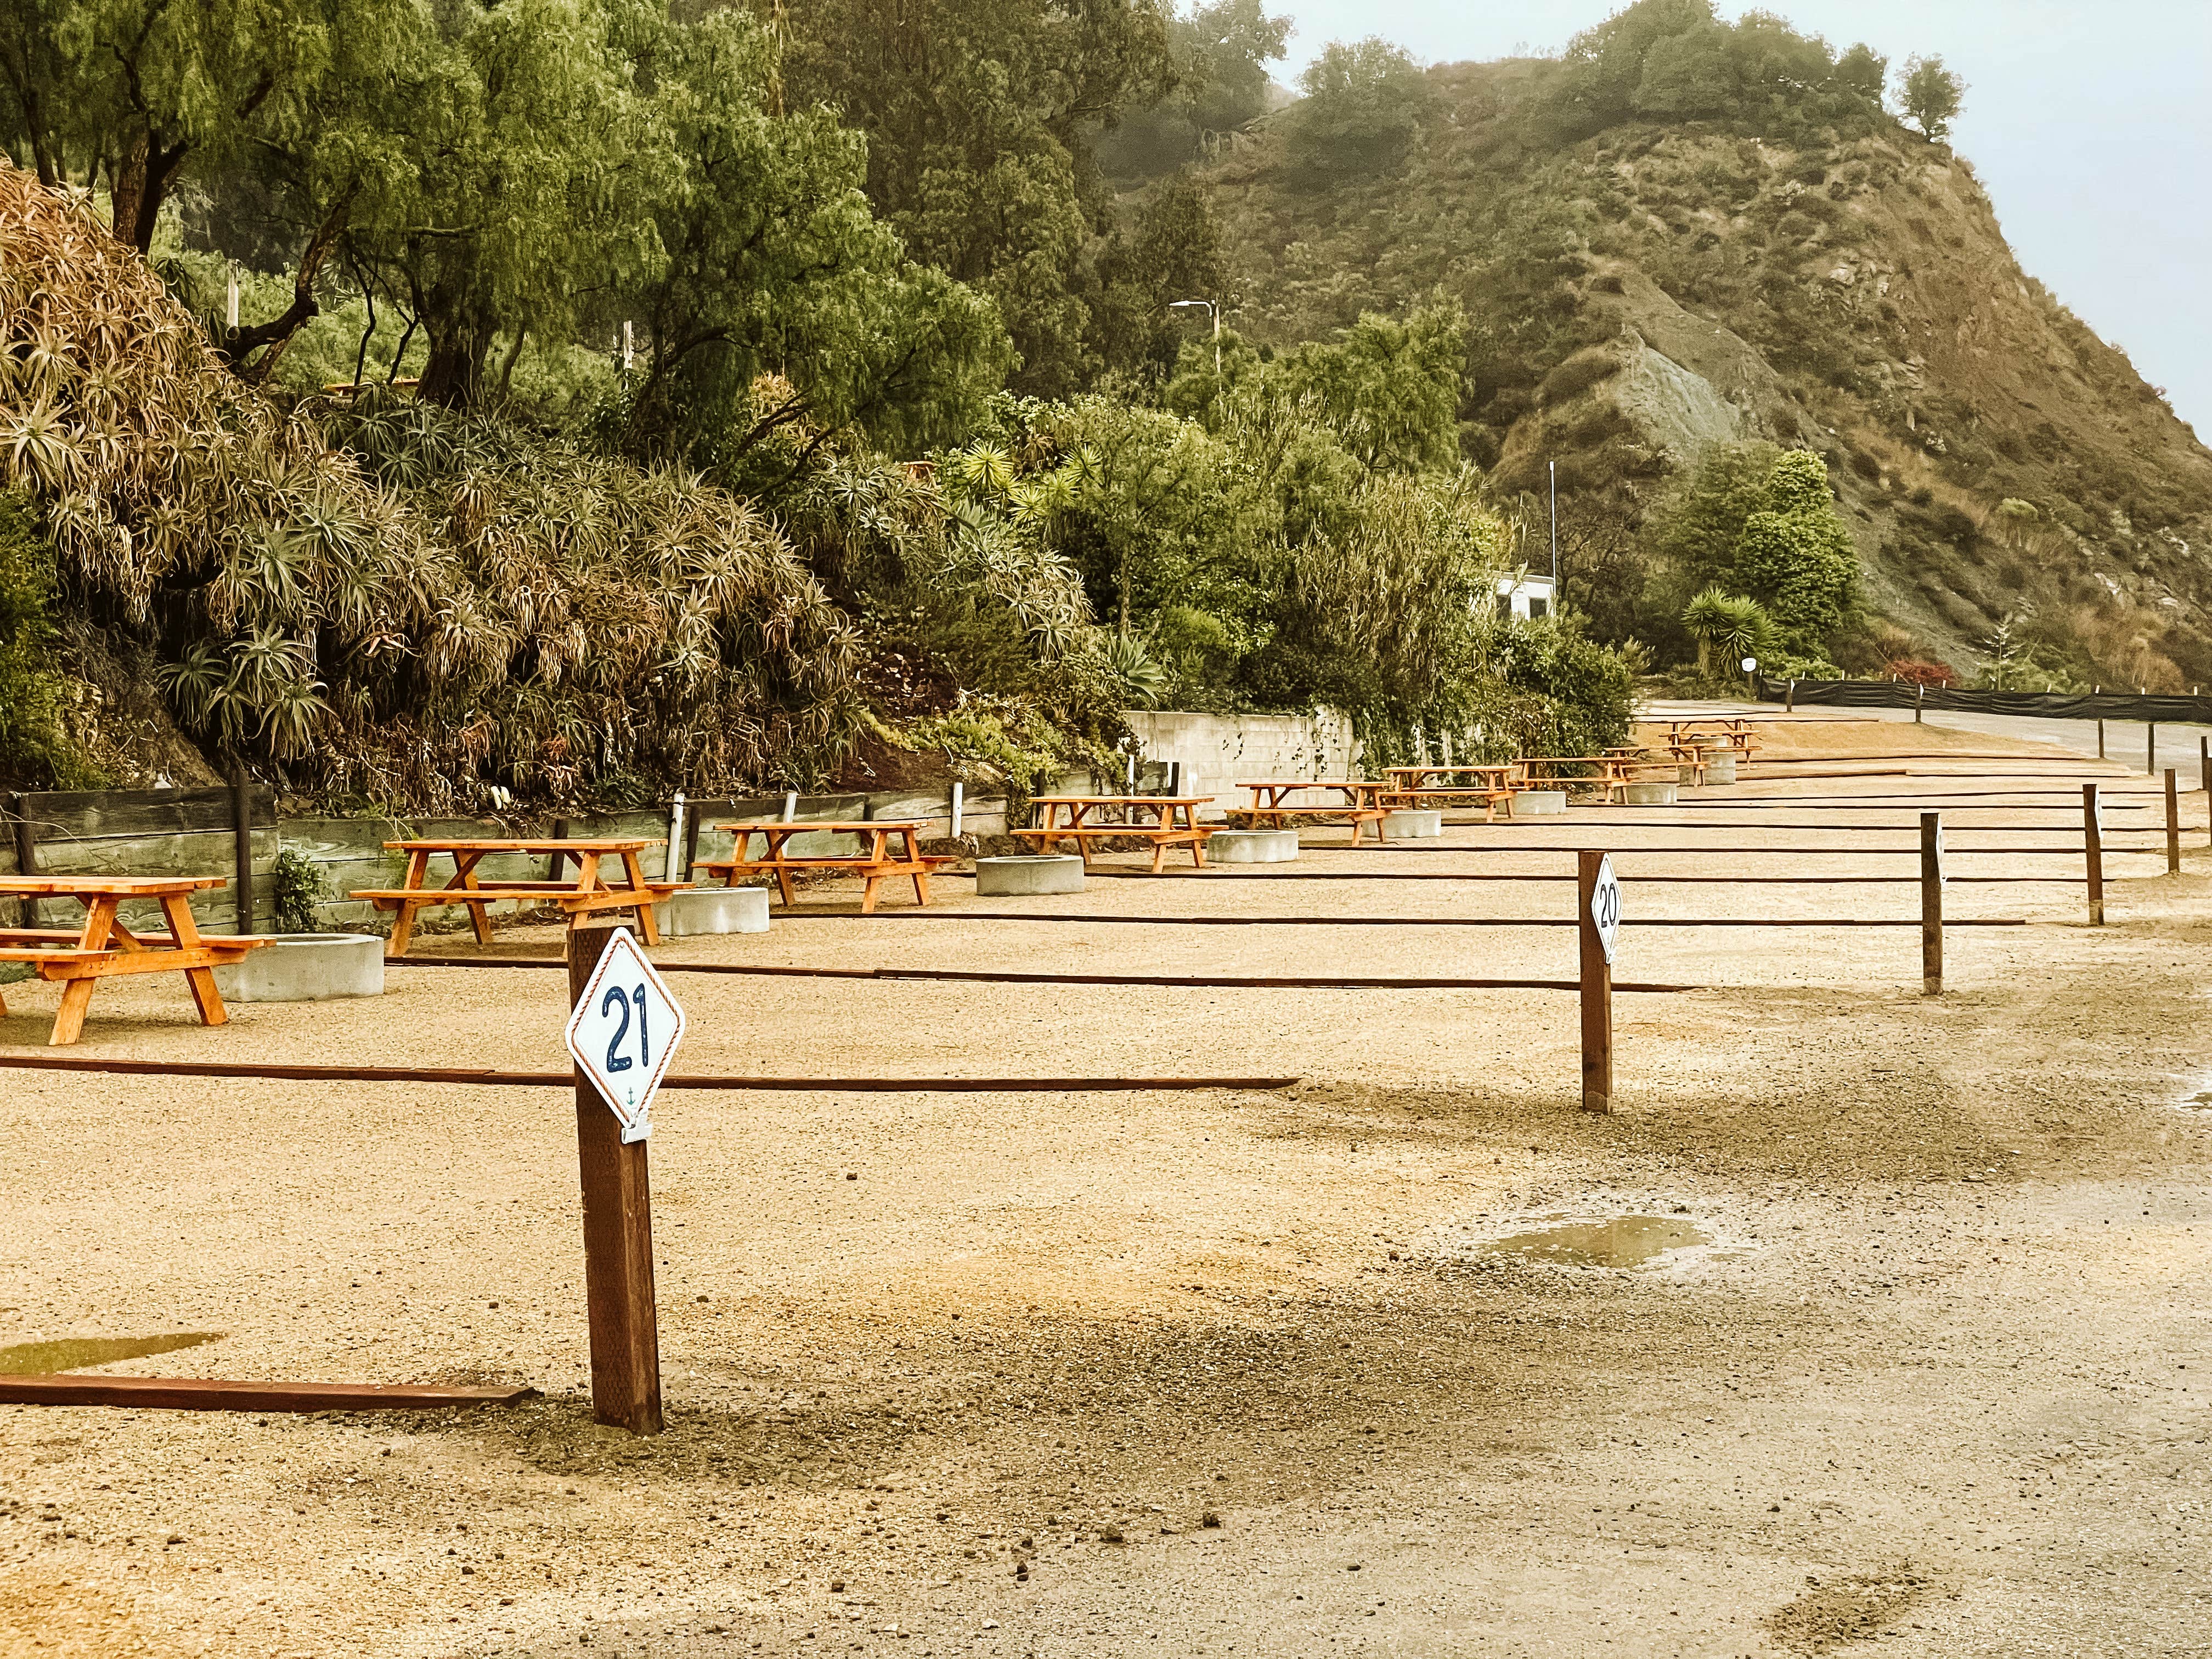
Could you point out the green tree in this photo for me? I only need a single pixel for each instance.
(1760, 522)
(129, 96)
(1364, 104)
(1932, 95)
(774, 262)
(1390, 389)
(1864, 71)
(1172, 252)
(1219, 54)
(979, 115)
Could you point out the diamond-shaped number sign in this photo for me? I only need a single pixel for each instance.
(1605, 906)
(624, 1031)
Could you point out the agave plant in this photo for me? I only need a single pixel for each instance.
(382, 599)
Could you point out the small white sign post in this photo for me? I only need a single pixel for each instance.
(1605, 906)
(623, 1032)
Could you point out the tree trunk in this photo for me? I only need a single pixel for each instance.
(453, 375)
(139, 179)
(277, 333)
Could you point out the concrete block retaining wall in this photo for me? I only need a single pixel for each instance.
(1218, 750)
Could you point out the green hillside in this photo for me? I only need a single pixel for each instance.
(1684, 235)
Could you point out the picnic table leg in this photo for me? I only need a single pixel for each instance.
(868, 895)
(646, 923)
(183, 929)
(921, 870)
(480, 914)
(76, 993)
(782, 870)
(402, 929)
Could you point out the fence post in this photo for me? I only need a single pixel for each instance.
(27, 856)
(625, 1330)
(1596, 992)
(241, 832)
(2150, 749)
(557, 862)
(959, 792)
(1919, 697)
(2093, 847)
(2100, 737)
(691, 839)
(1790, 702)
(1931, 903)
(2173, 826)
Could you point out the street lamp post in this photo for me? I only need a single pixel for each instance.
(1180, 305)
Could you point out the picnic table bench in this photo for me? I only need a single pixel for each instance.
(1165, 821)
(588, 893)
(875, 861)
(81, 957)
(1496, 783)
(1361, 804)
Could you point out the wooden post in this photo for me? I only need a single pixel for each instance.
(241, 827)
(27, 856)
(2173, 825)
(557, 862)
(2150, 750)
(1919, 697)
(617, 1240)
(2100, 737)
(691, 839)
(1931, 903)
(2092, 845)
(959, 804)
(1596, 994)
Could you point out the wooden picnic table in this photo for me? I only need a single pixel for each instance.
(587, 893)
(1361, 803)
(81, 957)
(1614, 772)
(1732, 730)
(1165, 821)
(875, 860)
(1496, 783)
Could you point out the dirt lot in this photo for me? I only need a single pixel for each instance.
(1922, 1354)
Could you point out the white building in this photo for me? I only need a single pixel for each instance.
(1527, 594)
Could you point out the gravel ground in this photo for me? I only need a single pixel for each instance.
(1928, 1362)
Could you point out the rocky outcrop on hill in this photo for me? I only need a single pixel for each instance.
(1638, 295)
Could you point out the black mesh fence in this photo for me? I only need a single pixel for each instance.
(2050, 705)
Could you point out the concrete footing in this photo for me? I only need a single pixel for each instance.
(1540, 803)
(1648, 794)
(1720, 769)
(1412, 824)
(1009, 878)
(712, 910)
(1252, 847)
(306, 968)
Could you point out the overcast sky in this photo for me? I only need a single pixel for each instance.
(2089, 124)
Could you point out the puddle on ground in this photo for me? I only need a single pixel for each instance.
(73, 1354)
(1623, 1241)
